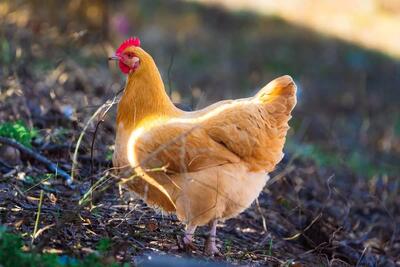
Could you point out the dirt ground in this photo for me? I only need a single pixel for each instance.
(305, 216)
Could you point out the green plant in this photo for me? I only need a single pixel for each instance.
(270, 247)
(396, 126)
(104, 245)
(228, 245)
(109, 154)
(12, 254)
(5, 55)
(355, 161)
(18, 131)
(310, 151)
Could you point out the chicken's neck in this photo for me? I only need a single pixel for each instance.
(144, 99)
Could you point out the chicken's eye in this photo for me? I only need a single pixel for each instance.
(130, 55)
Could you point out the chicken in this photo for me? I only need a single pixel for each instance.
(206, 165)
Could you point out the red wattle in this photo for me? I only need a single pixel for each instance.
(124, 68)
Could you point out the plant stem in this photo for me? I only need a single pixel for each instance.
(37, 216)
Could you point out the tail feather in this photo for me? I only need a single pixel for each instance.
(279, 94)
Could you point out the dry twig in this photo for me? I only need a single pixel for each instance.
(51, 166)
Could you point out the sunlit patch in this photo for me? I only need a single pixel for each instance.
(197, 119)
(246, 230)
(364, 23)
(93, 12)
(131, 146)
(4, 8)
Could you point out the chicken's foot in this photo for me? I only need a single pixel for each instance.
(210, 247)
(188, 238)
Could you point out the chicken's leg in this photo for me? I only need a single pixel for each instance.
(210, 247)
(188, 238)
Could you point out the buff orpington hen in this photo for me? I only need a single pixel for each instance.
(206, 165)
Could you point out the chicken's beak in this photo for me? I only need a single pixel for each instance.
(114, 57)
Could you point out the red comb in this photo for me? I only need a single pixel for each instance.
(133, 41)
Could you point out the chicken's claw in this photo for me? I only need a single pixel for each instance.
(188, 244)
(210, 248)
(187, 240)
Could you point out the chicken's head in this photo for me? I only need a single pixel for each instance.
(127, 55)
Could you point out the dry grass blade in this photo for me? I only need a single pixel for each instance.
(35, 230)
(78, 143)
(39, 183)
(41, 230)
(305, 229)
(264, 222)
(103, 179)
(106, 106)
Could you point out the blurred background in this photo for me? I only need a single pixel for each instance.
(344, 56)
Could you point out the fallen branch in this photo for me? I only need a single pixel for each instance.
(35, 155)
